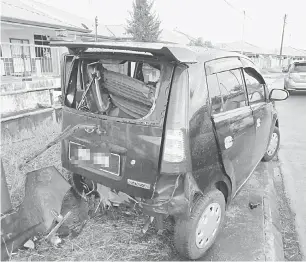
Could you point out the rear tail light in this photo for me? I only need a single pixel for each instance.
(174, 147)
(175, 157)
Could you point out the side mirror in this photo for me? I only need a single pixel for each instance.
(278, 94)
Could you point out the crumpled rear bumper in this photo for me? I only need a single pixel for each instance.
(173, 195)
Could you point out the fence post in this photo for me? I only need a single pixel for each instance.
(51, 92)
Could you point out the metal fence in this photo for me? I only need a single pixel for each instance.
(24, 60)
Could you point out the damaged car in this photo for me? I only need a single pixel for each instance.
(178, 129)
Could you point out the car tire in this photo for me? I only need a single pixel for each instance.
(190, 240)
(272, 148)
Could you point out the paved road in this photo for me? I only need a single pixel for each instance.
(292, 154)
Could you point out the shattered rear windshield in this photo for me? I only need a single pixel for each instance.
(115, 87)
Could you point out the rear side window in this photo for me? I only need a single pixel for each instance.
(232, 89)
(226, 90)
(214, 93)
(255, 89)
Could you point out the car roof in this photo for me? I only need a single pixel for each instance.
(180, 53)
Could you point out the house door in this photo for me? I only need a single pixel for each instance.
(21, 56)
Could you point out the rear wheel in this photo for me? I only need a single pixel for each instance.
(196, 234)
(273, 145)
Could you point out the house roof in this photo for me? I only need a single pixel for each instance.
(253, 49)
(173, 36)
(118, 31)
(238, 45)
(108, 31)
(291, 51)
(19, 12)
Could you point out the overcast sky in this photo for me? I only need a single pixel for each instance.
(213, 20)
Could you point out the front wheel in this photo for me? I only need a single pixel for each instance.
(196, 234)
(273, 145)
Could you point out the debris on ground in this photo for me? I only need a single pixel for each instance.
(253, 205)
(29, 244)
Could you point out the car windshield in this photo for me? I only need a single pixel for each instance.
(301, 67)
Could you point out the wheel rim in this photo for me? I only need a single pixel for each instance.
(273, 144)
(208, 225)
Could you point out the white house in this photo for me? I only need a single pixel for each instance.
(25, 34)
(265, 58)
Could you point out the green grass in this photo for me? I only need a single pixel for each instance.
(112, 235)
(14, 150)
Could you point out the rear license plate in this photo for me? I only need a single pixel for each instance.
(107, 162)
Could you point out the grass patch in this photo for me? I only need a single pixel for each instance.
(113, 235)
(15, 149)
(292, 250)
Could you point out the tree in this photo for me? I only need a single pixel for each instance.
(143, 24)
(199, 42)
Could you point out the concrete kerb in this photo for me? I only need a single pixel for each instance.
(273, 247)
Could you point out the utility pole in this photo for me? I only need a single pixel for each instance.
(96, 28)
(242, 42)
(281, 47)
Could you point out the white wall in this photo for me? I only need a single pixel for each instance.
(22, 32)
(25, 33)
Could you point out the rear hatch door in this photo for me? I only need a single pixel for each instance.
(120, 153)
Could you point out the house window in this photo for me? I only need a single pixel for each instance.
(40, 41)
(43, 53)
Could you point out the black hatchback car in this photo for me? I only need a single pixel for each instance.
(180, 129)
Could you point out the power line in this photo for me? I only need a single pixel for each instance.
(236, 9)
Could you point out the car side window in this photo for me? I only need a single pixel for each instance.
(232, 89)
(215, 94)
(254, 85)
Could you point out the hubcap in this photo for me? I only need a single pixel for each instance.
(208, 225)
(273, 144)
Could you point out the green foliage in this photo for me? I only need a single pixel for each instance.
(143, 24)
(199, 42)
